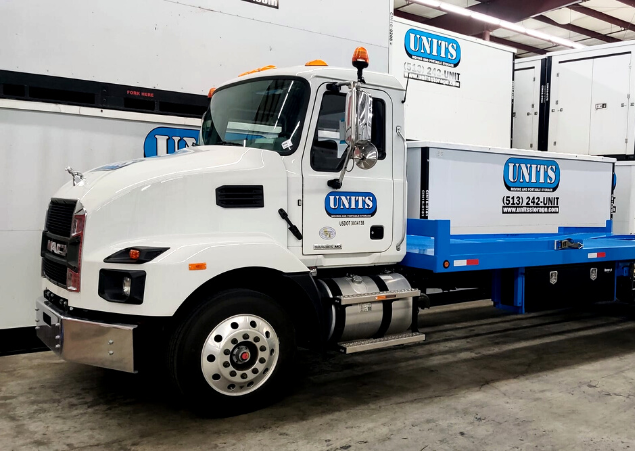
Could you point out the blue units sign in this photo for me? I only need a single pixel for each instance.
(529, 175)
(432, 48)
(435, 50)
(350, 204)
(166, 140)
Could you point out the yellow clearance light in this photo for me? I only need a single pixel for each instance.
(316, 63)
(360, 54)
(198, 266)
(260, 69)
(211, 93)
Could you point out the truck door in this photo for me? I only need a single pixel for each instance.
(358, 217)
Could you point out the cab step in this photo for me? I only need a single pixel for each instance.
(351, 299)
(352, 347)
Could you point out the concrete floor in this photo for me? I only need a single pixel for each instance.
(484, 380)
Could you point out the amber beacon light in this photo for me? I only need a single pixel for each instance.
(360, 55)
(360, 62)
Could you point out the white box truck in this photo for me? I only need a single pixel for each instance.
(220, 259)
(81, 92)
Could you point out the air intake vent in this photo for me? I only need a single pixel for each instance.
(59, 218)
(240, 196)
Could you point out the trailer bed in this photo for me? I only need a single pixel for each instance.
(527, 266)
(431, 246)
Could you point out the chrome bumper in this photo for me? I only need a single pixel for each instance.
(87, 342)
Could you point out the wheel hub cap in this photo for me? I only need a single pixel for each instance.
(239, 355)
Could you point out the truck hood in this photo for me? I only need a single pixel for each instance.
(108, 182)
(183, 193)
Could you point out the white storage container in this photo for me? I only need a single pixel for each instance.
(489, 190)
(576, 101)
(459, 87)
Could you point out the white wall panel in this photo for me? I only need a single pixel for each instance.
(186, 46)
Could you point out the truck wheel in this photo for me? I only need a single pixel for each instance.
(230, 355)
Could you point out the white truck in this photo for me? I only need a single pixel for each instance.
(287, 226)
(133, 100)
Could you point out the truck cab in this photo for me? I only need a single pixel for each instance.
(282, 226)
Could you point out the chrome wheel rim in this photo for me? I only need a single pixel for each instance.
(239, 355)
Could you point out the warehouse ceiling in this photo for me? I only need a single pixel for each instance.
(589, 22)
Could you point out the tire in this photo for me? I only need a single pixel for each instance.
(232, 354)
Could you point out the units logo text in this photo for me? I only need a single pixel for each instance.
(529, 175)
(432, 48)
(350, 204)
(167, 140)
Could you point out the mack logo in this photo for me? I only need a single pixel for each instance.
(56, 248)
(350, 205)
(524, 174)
(166, 140)
(432, 48)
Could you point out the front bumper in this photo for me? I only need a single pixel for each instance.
(88, 342)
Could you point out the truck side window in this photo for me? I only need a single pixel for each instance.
(327, 151)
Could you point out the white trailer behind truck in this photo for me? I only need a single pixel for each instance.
(220, 259)
(141, 91)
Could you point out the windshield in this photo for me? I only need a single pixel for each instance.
(265, 113)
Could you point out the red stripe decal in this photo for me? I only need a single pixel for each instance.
(472, 262)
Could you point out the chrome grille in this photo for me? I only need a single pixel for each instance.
(59, 218)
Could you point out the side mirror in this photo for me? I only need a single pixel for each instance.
(358, 117)
(358, 123)
(365, 155)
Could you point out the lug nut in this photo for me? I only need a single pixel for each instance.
(262, 360)
(110, 342)
(226, 364)
(245, 336)
(263, 348)
(111, 352)
(226, 352)
(234, 341)
(243, 376)
(232, 373)
(254, 370)
(256, 339)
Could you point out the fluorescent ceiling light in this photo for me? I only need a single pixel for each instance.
(450, 8)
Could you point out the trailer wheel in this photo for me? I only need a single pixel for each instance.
(230, 355)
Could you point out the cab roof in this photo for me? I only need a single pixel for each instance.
(376, 79)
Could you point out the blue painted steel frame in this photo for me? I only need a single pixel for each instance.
(430, 244)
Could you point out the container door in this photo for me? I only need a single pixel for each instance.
(570, 120)
(359, 216)
(525, 135)
(610, 105)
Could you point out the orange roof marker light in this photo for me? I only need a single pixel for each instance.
(260, 69)
(360, 62)
(211, 93)
(316, 63)
(360, 54)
